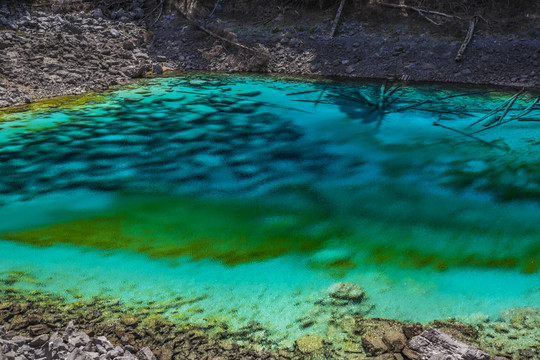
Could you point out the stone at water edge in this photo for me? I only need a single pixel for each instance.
(346, 291)
(308, 344)
(433, 344)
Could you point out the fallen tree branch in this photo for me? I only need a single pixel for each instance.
(494, 112)
(211, 33)
(336, 20)
(160, 13)
(468, 135)
(468, 38)
(421, 12)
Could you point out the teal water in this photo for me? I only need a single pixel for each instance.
(242, 199)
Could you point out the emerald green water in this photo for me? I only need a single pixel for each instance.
(252, 195)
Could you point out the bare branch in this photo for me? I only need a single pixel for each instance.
(336, 20)
(468, 135)
(468, 38)
(422, 12)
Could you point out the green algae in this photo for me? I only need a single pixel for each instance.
(232, 233)
(41, 106)
(237, 232)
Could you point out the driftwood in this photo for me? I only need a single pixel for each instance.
(213, 34)
(336, 20)
(468, 38)
(434, 344)
(421, 12)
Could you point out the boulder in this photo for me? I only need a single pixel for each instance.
(395, 340)
(20, 340)
(79, 338)
(39, 340)
(346, 291)
(380, 335)
(435, 345)
(146, 354)
(410, 354)
(157, 69)
(103, 342)
(412, 329)
(39, 329)
(373, 345)
(78, 354)
(308, 344)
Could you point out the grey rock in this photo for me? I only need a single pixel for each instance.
(79, 338)
(10, 355)
(78, 354)
(57, 345)
(157, 69)
(134, 72)
(39, 341)
(104, 342)
(435, 345)
(7, 346)
(70, 328)
(20, 340)
(93, 355)
(116, 352)
(146, 354)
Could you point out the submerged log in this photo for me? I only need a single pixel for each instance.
(433, 344)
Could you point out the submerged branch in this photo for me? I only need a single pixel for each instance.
(320, 96)
(468, 135)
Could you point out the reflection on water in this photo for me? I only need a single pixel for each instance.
(353, 181)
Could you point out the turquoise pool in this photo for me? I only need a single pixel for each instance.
(242, 199)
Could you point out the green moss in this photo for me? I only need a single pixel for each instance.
(72, 101)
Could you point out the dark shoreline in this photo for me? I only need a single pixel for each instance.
(46, 55)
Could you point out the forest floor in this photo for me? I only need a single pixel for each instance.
(45, 55)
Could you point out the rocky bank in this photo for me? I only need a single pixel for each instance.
(46, 54)
(30, 327)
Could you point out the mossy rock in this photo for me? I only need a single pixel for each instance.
(460, 331)
(309, 344)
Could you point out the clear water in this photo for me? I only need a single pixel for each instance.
(242, 199)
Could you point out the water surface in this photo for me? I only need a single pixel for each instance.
(241, 199)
